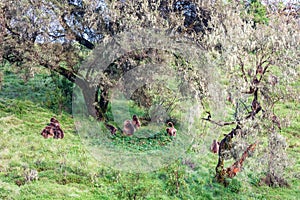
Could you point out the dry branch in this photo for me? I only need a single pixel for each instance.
(237, 166)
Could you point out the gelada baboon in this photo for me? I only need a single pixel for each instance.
(53, 130)
(215, 146)
(171, 130)
(128, 128)
(111, 128)
(47, 132)
(136, 122)
(54, 122)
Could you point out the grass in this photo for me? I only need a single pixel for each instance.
(67, 170)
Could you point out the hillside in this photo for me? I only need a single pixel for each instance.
(32, 167)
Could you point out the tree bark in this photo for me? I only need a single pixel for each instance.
(88, 94)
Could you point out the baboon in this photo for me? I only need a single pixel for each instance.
(47, 132)
(53, 130)
(111, 128)
(58, 133)
(276, 121)
(128, 128)
(136, 122)
(214, 146)
(171, 130)
(54, 122)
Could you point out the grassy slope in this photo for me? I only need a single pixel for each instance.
(67, 171)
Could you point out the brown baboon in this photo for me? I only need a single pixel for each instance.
(136, 122)
(128, 128)
(54, 122)
(58, 133)
(276, 121)
(47, 132)
(214, 146)
(111, 128)
(171, 130)
(53, 130)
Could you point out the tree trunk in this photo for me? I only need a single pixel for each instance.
(103, 102)
(94, 106)
(88, 94)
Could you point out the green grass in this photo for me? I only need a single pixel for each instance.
(67, 170)
(44, 89)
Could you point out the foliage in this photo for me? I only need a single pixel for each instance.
(62, 93)
(253, 60)
(258, 11)
(235, 186)
(49, 90)
(257, 61)
(1, 80)
(60, 39)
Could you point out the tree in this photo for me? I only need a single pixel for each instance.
(251, 55)
(254, 60)
(59, 35)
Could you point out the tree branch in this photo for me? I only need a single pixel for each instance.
(220, 123)
(78, 37)
(237, 166)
